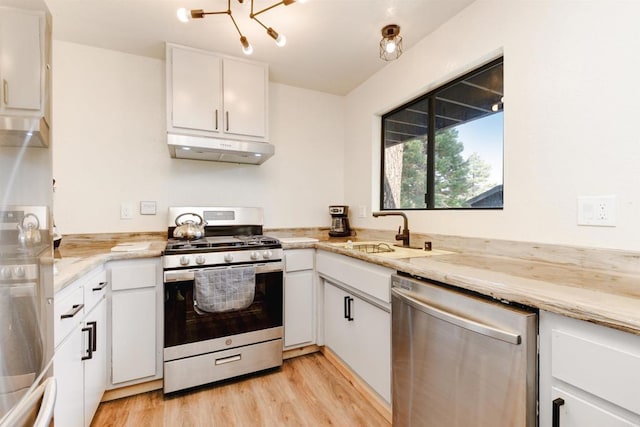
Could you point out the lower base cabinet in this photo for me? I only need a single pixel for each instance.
(79, 364)
(360, 334)
(136, 321)
(589, 374)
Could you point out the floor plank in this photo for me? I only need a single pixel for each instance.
(306, 391)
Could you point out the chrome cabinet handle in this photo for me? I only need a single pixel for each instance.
(5, 91)
(75, 309)
(457, 320)
(216, 119)
(227, 120)
(557, 403)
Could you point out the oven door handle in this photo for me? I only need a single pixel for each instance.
(188, 275)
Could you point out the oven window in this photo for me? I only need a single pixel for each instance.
(182, 325)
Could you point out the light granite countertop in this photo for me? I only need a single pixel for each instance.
(602, 297)
(609, 297)
(71, 264)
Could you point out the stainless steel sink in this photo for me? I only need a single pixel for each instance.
(389, 250)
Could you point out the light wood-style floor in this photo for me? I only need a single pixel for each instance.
(306, 391)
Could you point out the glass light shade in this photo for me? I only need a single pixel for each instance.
(390, 46)
(247, 49)
(183, 14)
(281, 40)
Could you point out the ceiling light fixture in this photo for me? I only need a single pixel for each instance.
(391, 43)
(185, 15)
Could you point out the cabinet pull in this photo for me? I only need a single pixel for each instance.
(350, 318)
(227, 120)
(216, 119)
(94, 340)
(75, 309)
(5, 91)
(557, 403)
(100, 286)
(89, 348)
(346, 307)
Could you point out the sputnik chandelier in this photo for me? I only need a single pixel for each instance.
(185, 15)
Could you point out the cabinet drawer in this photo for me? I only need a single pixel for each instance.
(68, 312)
(95, 288)
(133, 275)
(298, 259)
(604, 369)
(366, 277)
(576, 412)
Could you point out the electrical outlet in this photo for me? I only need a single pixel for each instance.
(597, 211)
(362, 211)
(126, 210)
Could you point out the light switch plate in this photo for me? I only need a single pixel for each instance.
(147, 208)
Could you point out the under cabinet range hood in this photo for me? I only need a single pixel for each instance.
(23, 132)
(219, 150)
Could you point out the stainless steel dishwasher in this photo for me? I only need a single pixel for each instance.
(459, 359)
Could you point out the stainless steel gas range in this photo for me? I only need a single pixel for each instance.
(223, 302)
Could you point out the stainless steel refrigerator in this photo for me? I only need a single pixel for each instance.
(27, 388)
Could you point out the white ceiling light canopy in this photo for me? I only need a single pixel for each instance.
(391, 42)
(185, 15)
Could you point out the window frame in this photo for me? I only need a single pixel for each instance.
(431, 146)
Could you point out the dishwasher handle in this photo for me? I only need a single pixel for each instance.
(457, 320)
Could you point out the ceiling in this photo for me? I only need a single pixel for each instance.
(332, 45)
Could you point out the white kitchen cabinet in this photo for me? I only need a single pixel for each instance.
(360, 334)
(590, 372)
(135, 331)
(215, 95)
(21, 61)
(81, 352)
(356, 317)
(299, 301)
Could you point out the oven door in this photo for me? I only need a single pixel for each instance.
(183, 326)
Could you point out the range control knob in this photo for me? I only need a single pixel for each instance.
(5, 273)
(19, 271)
(267, 254)
(254, 255)
(200, 259)
(228, 258)
(184, 260)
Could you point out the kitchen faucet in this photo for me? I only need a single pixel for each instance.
(402, 235)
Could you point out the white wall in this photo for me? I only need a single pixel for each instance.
(110, 147)
(571, 88)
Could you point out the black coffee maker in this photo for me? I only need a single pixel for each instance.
(339, 221)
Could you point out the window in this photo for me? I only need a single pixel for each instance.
(444, 150)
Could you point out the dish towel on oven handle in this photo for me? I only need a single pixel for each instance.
(223, 289)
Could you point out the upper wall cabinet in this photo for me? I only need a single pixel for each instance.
(216, 96)
(25, 78)
(21, 61)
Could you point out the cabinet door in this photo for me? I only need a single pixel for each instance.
(245, 98)
(20, 60)
(298, 308)
(338, 330)
(196, 90)
(68, 371)
(363, 343)
(133, 335)
(95, 369)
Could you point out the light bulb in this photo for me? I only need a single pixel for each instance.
(247, 50)
(281, 40)
(390, 47)
(183, 14)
